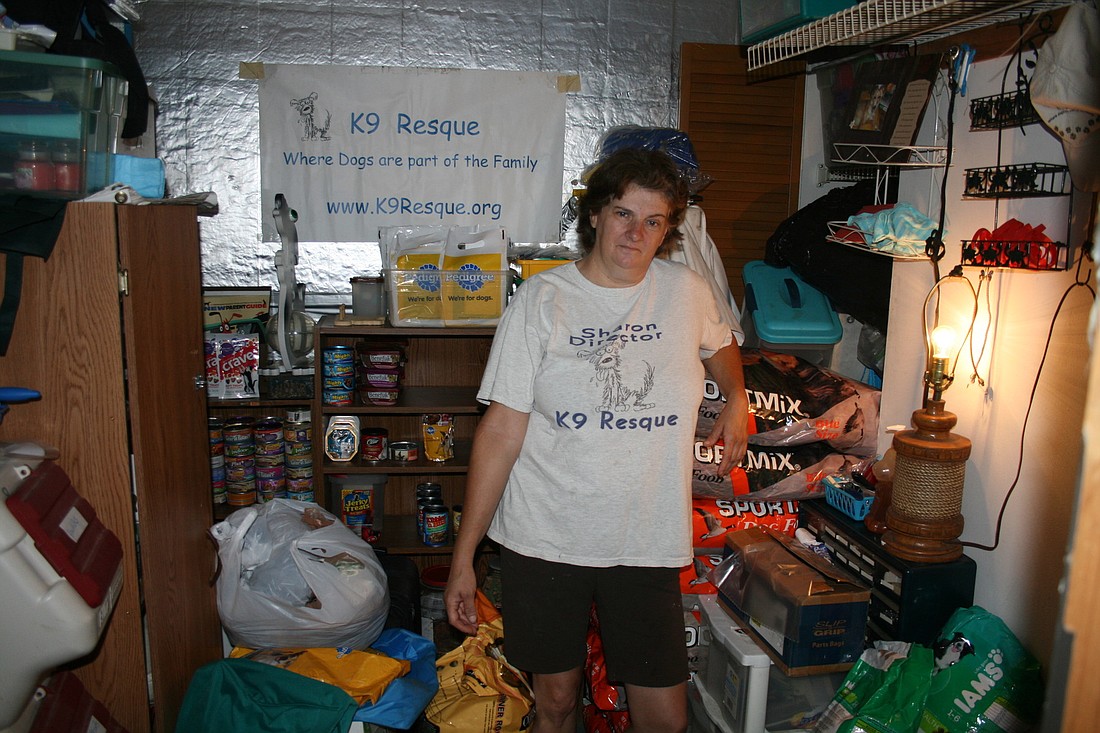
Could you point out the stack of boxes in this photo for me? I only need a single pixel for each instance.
(784, 627)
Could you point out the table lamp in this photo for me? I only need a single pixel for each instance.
(924, 520)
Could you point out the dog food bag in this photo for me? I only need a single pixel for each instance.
(414, 280)
(475, 277)
(984, 680)
(862, 682)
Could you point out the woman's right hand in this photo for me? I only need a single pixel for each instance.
(459, 598)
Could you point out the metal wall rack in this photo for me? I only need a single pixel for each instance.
(1017, 180)
(883, 158)
(886, 22)
(1002, 111)
(1034, 256)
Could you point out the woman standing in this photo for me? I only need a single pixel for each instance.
(581, 465)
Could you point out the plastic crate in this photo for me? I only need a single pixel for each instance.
(840, 499)
(68, 110)
(431, 297)
(527, 268)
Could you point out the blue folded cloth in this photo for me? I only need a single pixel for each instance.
(900, 230)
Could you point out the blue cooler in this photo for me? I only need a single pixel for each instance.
(787, 315)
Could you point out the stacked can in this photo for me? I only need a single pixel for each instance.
(298, 435)
(270, 451)
(432, 516)
(217, 460)
(338, 376)
(240, 462)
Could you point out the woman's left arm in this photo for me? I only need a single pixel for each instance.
(732, 425)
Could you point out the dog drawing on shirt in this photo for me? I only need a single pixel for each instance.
(306, 110)
(608, 364)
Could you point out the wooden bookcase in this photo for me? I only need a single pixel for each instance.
(442, 371)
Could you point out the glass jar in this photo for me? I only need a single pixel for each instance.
(34, 171)
(67, 168)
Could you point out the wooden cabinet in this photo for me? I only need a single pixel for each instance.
(110, 332)
(442, 371)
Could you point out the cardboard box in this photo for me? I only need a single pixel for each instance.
(807, 614)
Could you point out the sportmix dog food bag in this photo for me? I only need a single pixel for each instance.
(805, 423)
(712, 519)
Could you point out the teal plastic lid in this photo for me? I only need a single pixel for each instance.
(786, 310)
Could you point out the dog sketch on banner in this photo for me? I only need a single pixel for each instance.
(358, 148)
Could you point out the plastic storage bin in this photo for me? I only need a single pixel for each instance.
(433, 297)
(787, 315)
(59, 122)
(61, 571)
(527, 268)
(737, 671)
(764, 20)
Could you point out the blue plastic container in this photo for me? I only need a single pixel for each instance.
(787, 315)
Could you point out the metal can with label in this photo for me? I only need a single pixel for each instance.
(437, 521)
(375, 444)
(456, 518)
(297, 431)
(338, 397)
(427, 493)
(338, 355)
(404, 451)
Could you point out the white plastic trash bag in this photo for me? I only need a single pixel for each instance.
(292, 575)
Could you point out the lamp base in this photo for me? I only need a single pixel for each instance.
(922, 540)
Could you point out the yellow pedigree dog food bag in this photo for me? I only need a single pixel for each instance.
(363, 674)
(475, 277)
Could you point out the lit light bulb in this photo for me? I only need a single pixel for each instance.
(944, 341)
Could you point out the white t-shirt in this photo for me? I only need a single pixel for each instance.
(612, 379)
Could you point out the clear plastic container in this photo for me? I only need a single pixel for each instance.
(368, 297)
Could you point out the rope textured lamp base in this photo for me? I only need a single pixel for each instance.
(924, 520)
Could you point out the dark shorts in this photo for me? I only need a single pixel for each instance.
(546, 609)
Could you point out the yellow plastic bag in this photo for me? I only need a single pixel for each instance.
(363, 674)
(479, 692)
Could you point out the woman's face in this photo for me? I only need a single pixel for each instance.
(629, 230)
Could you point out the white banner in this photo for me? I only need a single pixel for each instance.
(357, 148)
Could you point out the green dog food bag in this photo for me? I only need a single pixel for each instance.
(984, 681)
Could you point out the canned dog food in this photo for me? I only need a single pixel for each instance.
(380, 396)
(404, 451)
(436, 525)
(381, 378)
(342, 437)
(381, 357)
(375, 444)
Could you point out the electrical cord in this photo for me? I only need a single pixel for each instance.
(934, 247)
(1079, 282)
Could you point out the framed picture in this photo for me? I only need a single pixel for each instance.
(887, 102)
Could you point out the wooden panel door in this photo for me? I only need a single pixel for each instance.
(117, 379)
(67, 344)
(162, 318)
(747, 135)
